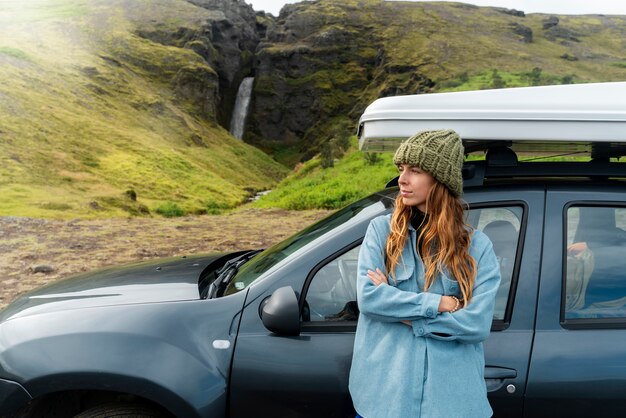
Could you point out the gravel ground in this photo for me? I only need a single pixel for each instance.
(35, 252)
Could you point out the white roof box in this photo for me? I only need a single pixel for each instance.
(594, 112)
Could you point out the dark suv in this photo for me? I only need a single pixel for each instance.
(270, 333)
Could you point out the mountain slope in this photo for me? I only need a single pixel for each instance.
(97, 121)
(324, 61)
(112, 108)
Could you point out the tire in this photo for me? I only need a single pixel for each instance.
(123, 411)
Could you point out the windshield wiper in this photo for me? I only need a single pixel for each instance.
(226, 273)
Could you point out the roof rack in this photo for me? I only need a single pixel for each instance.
(596, 150)
(475, 172)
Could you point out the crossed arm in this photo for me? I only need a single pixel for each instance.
(446, 303)
(429, 314)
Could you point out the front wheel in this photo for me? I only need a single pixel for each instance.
(123, 411)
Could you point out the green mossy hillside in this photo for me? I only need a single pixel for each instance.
(312, 185)
(96, 121)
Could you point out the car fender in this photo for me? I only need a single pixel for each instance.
(175, 354)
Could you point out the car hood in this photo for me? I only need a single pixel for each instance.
(163, 280)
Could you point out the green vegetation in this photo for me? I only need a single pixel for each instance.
(312, 186)
(14, 52)
(447, 38)
(495, 79)
(90, 110)
(170, 210)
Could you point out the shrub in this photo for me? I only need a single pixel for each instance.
(534, 76)
(497, 82)
(170, 210)
(215, 208)
(326, 156)
(131, 194)
(372, 158)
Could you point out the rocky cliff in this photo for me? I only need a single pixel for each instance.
(324, 61)
(319, 63)
(227, 40)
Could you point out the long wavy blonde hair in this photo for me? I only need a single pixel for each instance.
(444, 238)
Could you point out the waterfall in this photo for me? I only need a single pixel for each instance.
(238, 120)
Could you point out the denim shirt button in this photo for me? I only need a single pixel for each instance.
(453, 288)
(429, 312)
(420, 331)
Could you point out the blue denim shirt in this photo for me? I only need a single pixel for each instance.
(435, 368)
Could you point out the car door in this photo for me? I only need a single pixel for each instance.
(304, 375)
(507, 350)
(578, 360)
(307, 375)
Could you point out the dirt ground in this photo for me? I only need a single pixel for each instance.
(34, 252)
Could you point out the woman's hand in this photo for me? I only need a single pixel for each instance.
(448, 304)
(576, 249)
(377, 277)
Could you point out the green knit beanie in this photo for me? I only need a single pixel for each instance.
(440, 153)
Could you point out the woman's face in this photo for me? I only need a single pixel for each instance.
(415, 184)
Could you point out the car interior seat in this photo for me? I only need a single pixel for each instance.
(503, 236)
(607, 244)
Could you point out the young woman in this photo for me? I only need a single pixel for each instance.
(426, 291)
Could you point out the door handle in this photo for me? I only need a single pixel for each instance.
(494, 377)
(492, 372)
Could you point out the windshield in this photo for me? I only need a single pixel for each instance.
(258, 265)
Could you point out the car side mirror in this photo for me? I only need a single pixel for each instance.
(280, 312)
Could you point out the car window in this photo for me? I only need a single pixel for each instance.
(502, 225)
(331, 295)
(270, 258)
(595, 262)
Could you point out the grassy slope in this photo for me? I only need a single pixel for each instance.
(88, 111)
(451, 40)
(444, 41)
(312, 186)
(484, 39)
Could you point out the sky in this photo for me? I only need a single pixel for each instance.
(527, 6)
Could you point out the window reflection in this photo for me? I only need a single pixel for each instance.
(595, 270)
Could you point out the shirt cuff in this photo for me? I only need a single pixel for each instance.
(419, 328)
(431, 305)
(431, 310)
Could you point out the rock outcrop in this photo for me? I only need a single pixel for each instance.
(524, 32)
(227, 41)
(316, 71)
(230, 39)
(319, 63)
